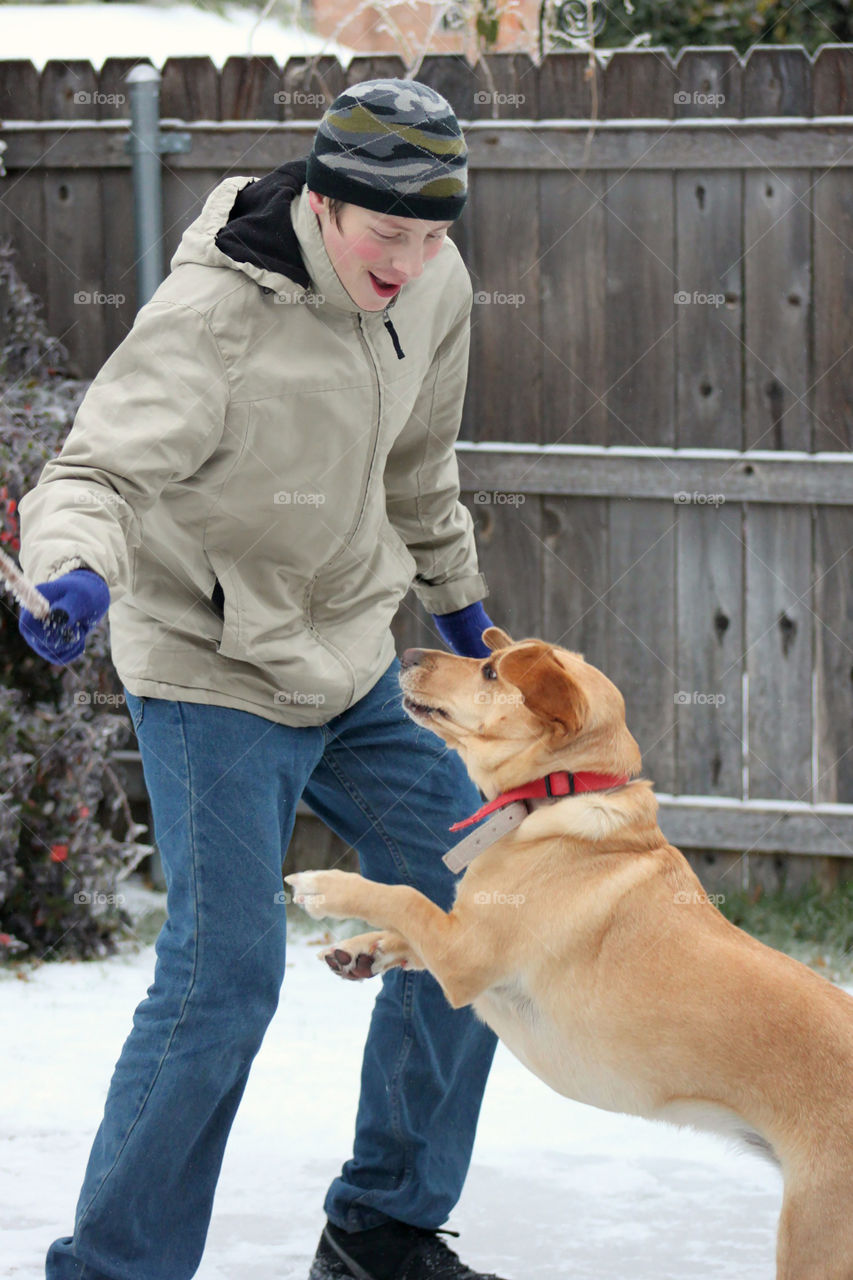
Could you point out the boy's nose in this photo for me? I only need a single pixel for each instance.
(410, 264)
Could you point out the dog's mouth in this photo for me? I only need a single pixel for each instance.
(421, 708)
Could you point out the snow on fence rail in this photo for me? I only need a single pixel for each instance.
(658, 428)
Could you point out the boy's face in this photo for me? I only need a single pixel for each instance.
(375, 254)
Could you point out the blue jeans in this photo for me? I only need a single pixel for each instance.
(223, 786)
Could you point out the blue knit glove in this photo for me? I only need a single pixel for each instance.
(78, 600)
(461, 631)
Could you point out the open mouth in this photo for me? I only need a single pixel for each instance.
(421, 709)
(382, 287)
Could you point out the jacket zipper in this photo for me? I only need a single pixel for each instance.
(386, 320)
(310, 588)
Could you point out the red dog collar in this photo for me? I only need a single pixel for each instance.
(553, 784)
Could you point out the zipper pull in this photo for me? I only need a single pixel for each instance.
(386, 320)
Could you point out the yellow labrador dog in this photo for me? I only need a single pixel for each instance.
(588, 945)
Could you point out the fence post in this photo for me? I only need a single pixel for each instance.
(144, 147)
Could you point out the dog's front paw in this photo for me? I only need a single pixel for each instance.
(368, 955)
(321, 893)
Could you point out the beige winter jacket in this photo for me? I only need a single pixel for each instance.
(272, 443)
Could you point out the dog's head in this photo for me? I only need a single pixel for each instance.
(528, 709)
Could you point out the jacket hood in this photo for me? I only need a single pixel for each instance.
(259, 230)
(266, 229)
(245, 224)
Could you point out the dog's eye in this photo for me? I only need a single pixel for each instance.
(489, 672)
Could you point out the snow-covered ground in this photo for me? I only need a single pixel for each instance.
(557, 1191)
(158, 32)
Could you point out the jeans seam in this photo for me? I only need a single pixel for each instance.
(408, 994)
(357, 798)
(190, 988)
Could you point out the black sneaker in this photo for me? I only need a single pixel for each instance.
(394, 1251)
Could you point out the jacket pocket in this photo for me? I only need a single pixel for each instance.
(223, 601)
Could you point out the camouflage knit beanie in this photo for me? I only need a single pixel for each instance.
(393, 146)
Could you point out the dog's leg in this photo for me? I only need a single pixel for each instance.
(370, 954)
(433, 935)
(816, 1232)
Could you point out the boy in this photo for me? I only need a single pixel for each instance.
(253, 481)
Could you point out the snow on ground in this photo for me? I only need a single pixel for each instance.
(99, 31)
(557, 1190)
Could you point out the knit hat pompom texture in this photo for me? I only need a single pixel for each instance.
(393, 146)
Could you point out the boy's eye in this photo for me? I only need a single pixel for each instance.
(382, 236)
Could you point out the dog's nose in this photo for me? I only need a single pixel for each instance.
(411, 658)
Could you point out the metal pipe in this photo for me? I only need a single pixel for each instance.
(144, 148)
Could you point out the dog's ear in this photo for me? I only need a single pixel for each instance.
(496, 639)
(548, 689)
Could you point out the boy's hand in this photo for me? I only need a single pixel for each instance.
(78, 600)
(462, 631)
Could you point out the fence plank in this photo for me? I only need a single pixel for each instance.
(762, 476)
(454, 77)
(832, 368)
(73, 223)
(250, 89)
(375, 66)
(19, 90)
(641, 639)
(777, 261)
(705, 76)
(639, 310)
(575, 577)
(505, 340)
(777, 82)
(507, 87)
(117, 211)
(832, 81)
(709, 309)
(310, 85)
(569, 86)
(779, 651)
(572, 287)
(639, 84)
(22, 193)
(190, 89)
(833, 606)
(709, 644)
(509, 541)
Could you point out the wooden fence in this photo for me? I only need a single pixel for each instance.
(657, 436)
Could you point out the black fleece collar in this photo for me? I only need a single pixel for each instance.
(259, 229)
